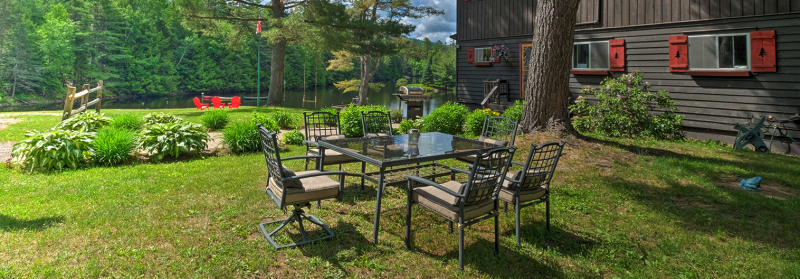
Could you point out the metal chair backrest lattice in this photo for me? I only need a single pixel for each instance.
(376, 123)
(321, 124)
(540, 166)
(499, 128)
(486, 175)
(269, 145)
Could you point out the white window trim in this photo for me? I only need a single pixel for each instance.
(749, 59)
(479, 52)
(590, 56)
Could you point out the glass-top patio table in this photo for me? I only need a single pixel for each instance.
(407, 151)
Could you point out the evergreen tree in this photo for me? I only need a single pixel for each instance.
(427, 75)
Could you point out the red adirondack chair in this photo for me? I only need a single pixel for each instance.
(199, 105)
(235, 102)
(217, 103)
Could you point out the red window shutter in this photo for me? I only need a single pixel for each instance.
(471, 55)
(678, 54)
(763, 57)
(617, 55)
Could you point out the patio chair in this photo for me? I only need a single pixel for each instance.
(287, 188)
(322, 126)
(199, 105)
(217, 103)
(496, 130)
(531, 185)
(376, 124)
(464, 203)
(235, 102)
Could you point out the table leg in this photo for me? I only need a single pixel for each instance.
(377, 224)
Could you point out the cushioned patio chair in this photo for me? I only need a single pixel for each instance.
(497, 130)
(531, 185)
(325, 126)
(376, 124)
(464, 203)
(287, 188)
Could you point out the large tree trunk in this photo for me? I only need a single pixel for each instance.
(547, 89)
(366, 75)
(278, 68)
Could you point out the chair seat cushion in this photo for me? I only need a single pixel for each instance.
(332, 156)
(494, 141)
(373, 135)
(313, 189)
(332, 137)
(508, 191)
(445, 204)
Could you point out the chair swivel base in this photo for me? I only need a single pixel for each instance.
(297, 215)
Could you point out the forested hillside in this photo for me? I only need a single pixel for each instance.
(146, 47)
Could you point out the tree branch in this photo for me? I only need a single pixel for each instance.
(253, 4)
(226, 18)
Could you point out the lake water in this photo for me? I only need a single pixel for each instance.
(294, 98)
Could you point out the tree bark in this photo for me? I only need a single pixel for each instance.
(547, 89)
(367, 72)
(14, 88)
(278, 68)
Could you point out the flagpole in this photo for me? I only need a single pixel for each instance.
(258, 100)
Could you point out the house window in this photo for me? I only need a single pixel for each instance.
(719, 52)
(483, 54)
(590, 56)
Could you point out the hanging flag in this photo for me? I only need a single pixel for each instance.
(258, 28)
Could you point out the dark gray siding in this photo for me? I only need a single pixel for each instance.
(471, 77)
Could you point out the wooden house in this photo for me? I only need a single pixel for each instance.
(722, 60)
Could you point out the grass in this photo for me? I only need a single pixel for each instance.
(621, 208)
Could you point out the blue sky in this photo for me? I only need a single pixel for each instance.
(436, 28)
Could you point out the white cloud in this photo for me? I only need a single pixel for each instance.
(435, 28)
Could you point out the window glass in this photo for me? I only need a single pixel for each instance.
(726, 52)
(483, 54)
(702, 52)
(580, 58)
(599, 54)
(741, 55)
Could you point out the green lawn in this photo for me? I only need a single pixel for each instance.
(621, 208)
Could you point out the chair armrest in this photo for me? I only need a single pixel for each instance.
(314, 143)
(459, 170)
(299, 157)
(434, 184)
(518, 163)
(323, 173)
(509, 179)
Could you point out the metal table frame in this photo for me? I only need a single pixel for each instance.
(384, 165)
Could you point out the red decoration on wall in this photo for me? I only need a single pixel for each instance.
(678, 54)
(617, 54)
(763, 57)
(471, 56)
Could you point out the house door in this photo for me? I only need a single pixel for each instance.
(525, 58)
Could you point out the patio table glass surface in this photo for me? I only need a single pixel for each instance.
(391, 151)
(403, 149)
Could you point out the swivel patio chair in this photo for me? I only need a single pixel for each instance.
(465, 203)
(287, 188)
(531, 185)
(376, 124)
(497, 130)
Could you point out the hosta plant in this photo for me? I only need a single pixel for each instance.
(161, 118)
(89, 121)
(54, 149)
(172, 139)
(625, 107)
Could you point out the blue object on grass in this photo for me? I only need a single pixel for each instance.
(752, 184)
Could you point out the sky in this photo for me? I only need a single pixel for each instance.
(436, 28)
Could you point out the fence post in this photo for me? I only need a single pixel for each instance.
(85, 98)
(99, 96)
(68, 103)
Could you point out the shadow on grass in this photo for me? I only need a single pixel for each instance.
(10, 224)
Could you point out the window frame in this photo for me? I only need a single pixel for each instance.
(481, 50)
(607, 54)
(748, 53)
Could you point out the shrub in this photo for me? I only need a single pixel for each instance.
(216, 119)
(161, 118)
(407, 125)
(89, 121)
(293, 137)
(397, 115)
(284, 119)
(242, 136)
(474, 123)
(127, 121)
(401, 82)
(113, 145)
(330, 110)
(268, 122)
(172, 139)
(351, 119)
(448, 119)
(624, 108)
(515, 112)
(54, 149)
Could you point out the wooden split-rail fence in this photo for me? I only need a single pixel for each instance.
(84, 97)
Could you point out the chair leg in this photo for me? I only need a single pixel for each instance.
(516, 207)
(460, 249)
(408, 221)
(547, 209)
(319, 204)
(307, 162)
(363, 170)
(450, 226)
(340, 169)
(505, 204)
(497, 234)
(299, 216)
